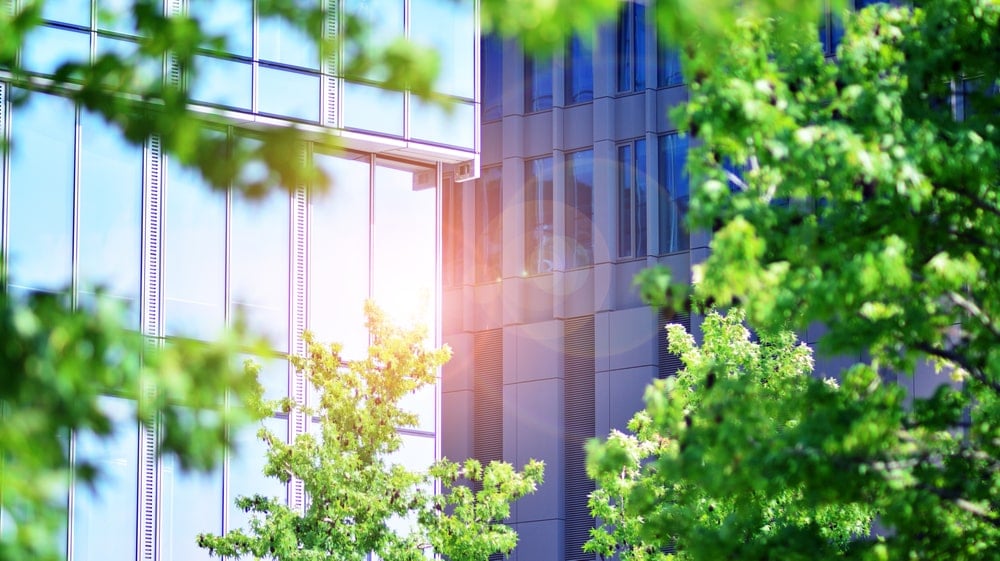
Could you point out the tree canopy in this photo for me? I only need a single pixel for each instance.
(727, 460)
(362, 499)
(861, 192)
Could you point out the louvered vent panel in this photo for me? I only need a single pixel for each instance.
(148, 470)
(299, 272)
(578, 356)
(487, 424)
(152, 238)
(330, 83)
(488, 396)
(152, 248)
(669, 363)
(173, 70)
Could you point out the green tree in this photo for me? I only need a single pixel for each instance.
(862, 192)
(360, 499)
(709, 457)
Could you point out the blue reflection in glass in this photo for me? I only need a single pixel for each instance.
(579, 71)
(104, 515)
(405, 242)
(116, 15)
(191, 503)
(110, 222)
(538, 227)
(222, 82)
(76, 12)
(491, 88)
(40, 223)
(230, 19)
(579, 208)
(280, 41)
(383, 21)
(289, 94)
(453, 125)
(147, 73)
(339, 237)
(194, 255)
(246, 471)
(538, 80)
(449, 28)
(674, 194)
(259, 266)
(372, 108)
(272, 376)
(46, 48)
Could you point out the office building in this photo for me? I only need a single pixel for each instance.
(82, 208)
(582, 185)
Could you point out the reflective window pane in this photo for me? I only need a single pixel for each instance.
(632, 47)
(229, 19)
(110, 223)
(405, 242)
(383, 20)
(339, 223)
(673, 195)
(625, 188)
(491, 87)
(538, 84)
(579, 71)
(147, 73)
(116, 15)
(289, 94)
(259, 266)
(579, 208)
(194, 255)
(191, 503)
(280, 41)
(668, 67)
(489, 225)
(246, 470)
(371, 108)
(40, 212)
(538, 233)
(452, 234)
(222, 82)
(272, 376)
(452, 125)
(105, 514)
(46, 48)
(449, 28)
(67, 11)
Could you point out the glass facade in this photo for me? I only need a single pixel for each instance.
(86, 211)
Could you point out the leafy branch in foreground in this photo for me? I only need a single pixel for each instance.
(360, 499)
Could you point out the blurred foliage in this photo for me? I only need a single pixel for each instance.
(864, 197)
(55, 363)
(360, 499)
